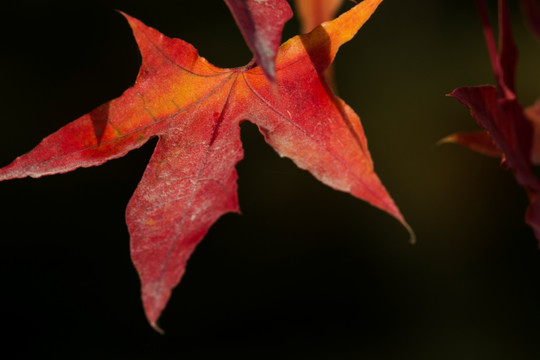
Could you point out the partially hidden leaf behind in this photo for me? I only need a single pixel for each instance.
(195, 109)
(312, 13)
(261, 22)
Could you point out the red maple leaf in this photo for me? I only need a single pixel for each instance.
(195, 109)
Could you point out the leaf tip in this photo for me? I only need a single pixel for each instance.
(394, 211)
(269, 71)
(133, 22)
(453, 93)
(123, 14)
(412, 235)
(450, 139)
(156, 327)
(405, 224)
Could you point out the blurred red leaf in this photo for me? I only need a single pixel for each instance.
(507, 126)
(497, 110)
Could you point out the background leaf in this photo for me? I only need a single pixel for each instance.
(261, 23)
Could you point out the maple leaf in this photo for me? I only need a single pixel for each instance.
(195, 109)
(261, 23)
(510, 128)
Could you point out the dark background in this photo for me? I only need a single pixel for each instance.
(306, 271)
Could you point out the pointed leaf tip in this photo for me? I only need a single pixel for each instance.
(344, 28)
(156, 327)
(412, 235)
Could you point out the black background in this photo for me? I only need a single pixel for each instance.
(306, 271)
